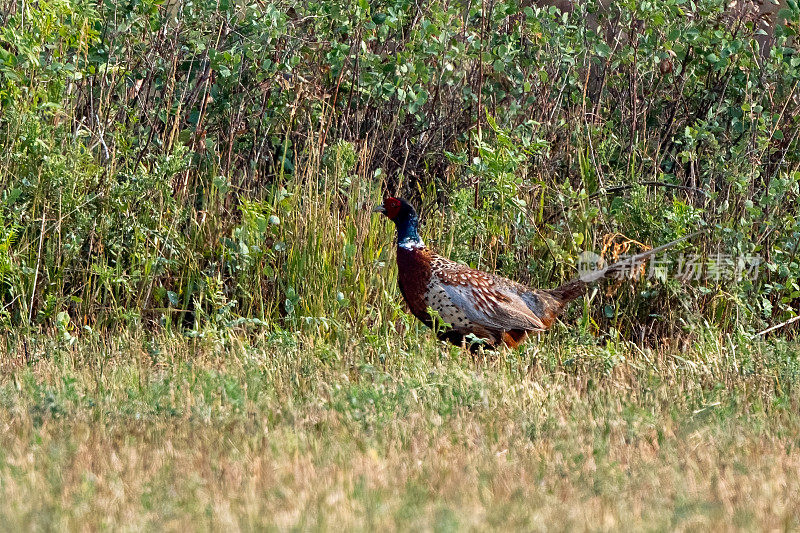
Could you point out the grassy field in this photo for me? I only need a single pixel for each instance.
(316, 432)
(200, 325)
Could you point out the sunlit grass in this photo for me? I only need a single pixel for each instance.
(201, 324)
(296, 431)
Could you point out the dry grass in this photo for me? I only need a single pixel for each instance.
(167, 433)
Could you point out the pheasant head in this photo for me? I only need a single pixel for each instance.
(405, 219)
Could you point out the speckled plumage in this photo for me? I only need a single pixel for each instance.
(470, 302)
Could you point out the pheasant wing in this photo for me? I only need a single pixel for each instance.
(486, 300)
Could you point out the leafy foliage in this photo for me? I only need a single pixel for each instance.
(205, 165)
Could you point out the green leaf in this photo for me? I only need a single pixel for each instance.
(173, 298)
(602, 49)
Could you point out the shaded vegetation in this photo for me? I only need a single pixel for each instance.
(205, 165)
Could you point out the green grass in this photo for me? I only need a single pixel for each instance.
(283, 431)
(199, 316)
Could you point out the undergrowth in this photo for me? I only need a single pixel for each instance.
(207, 165)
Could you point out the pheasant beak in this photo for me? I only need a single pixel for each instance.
(379, 209)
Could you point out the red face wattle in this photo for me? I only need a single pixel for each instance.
(391, 207)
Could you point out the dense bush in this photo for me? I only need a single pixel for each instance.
(205, 165)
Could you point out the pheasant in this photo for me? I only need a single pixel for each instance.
(476, 304)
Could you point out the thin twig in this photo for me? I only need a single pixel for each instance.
(620, 188)
(773, 328)
(38, 263)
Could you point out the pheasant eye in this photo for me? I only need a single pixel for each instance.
(392, 206)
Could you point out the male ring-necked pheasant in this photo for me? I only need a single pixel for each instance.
(490, 307)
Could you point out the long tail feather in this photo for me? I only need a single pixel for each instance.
(577, 287)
